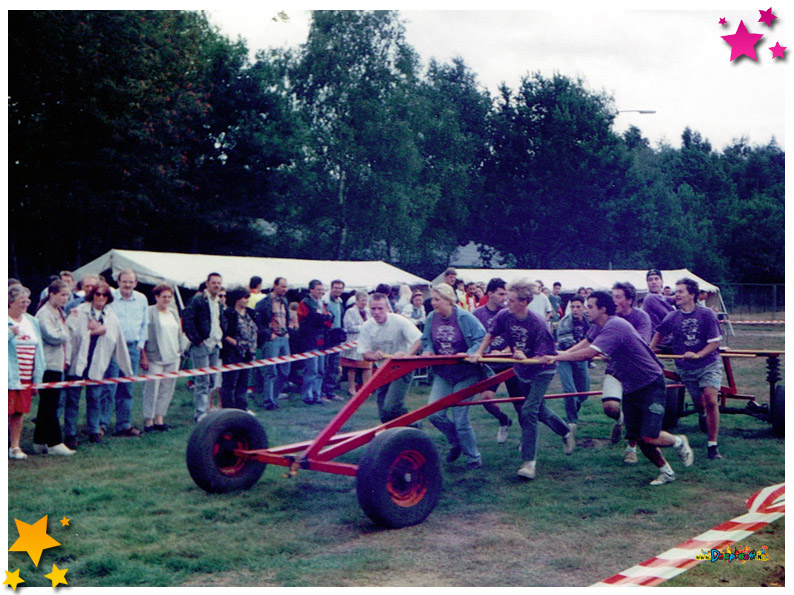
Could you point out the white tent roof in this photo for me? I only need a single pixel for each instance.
(189, 270)
(573, 279)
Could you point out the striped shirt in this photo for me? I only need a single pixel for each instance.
(26, 349)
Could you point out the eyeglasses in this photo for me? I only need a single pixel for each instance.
(221, 295)
(101, 294)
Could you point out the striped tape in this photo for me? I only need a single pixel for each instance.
(753, 321)
(763, 507)
(272, 361)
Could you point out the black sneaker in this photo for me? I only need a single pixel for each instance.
(148, 429)
(453, 454)
(714, 454)
(95, 438)
(71, 442)
(161, 427)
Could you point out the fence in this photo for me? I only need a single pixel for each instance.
(754, 300)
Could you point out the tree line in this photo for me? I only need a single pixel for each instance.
(152, 130)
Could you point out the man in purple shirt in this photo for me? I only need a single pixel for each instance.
(623, 294)
(655, 304)
(696, 336)
(497, 294)
(527, 335)
(642, 377)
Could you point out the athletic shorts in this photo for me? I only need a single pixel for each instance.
(19, 400)
(696, 380)
(612, 390)
(643, 410)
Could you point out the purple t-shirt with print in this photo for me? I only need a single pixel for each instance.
(531, 335)
(447, 336)
(692, 332)
(632, 361)
(486, 317)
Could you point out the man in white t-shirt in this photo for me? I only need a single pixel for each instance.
(383, 335)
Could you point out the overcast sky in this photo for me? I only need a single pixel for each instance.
(673, 62)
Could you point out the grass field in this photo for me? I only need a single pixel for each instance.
(137, 518)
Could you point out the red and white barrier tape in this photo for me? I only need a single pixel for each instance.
(753, 321)
(764, 506)
(200, 371)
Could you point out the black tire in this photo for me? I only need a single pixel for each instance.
(210, 451)
(777, 411)
(399, 478)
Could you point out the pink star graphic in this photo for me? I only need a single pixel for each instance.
(743, 42)
(767, 17)
(723, 22)
(777, 51)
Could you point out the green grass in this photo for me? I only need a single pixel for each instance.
(137, 518)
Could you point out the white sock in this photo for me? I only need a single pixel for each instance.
(712, 443)
(631, 449)
(666, 468)
(678, 442)
(620, 419)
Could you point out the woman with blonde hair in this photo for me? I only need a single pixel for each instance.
(451, 330)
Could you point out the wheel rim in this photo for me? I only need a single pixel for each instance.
(407, 482)
(227, 462)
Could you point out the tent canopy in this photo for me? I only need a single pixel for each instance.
(189, 270)
(573, 279)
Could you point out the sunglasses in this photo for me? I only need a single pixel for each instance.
(101, 294)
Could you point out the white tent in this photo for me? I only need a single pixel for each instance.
(573, 279)
(189, 270)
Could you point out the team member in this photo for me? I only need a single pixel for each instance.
(497, 295)
(452, 330)
(386, 334)
(642, 377)
(696, 336)
(527, 335)
(624, 294)
(655, 303)
(575, 376)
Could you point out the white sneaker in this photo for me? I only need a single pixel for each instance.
(61, 449)
(685, 452)
(283, 396)
(663, 479)
(568, 443)
(16, 453)
(631, 457)
(40, 449)
(501, 434)
(527, 470)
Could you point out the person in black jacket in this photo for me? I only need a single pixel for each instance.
(203, 324)
(239, 345)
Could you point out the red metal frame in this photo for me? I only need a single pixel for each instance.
(318, 454)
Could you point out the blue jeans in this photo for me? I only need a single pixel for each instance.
(458, 431)
(275, 377)
(575, 378)
(203, 358)
(536, 409)
(313, 372)
(72, 408)
(120, 393)
(391, 398)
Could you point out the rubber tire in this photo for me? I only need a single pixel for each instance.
(210, 459)
(777, 411)
(394, 456)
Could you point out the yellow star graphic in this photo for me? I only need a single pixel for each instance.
(64, 522)
(57, 576)
(33, 539)
(12, 579)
